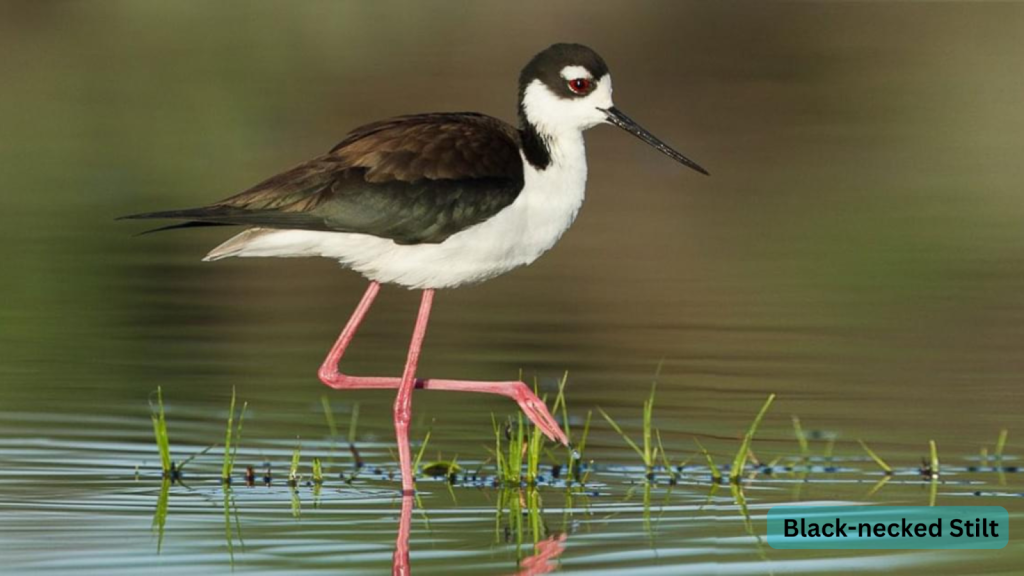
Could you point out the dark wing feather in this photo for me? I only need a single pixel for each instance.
(413, 179)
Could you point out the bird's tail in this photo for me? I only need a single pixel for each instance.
(194, 218)
(187, 213)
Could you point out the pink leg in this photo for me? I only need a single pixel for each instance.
(534, 408)
(403, 402)
(400, 559)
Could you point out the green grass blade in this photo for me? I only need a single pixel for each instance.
(163, 442)
(515, 453)
(618, 429)
(586, 432)
(329, 416)
(499, 456)
(878, 486)
(160, 515)
(664, 456)
(741, 456)
(225, 473)
(716, 474)
(293, 470)
(801, 438)
(648, 419)
(533, 455)
(318, 471)
(1001, 443)
(560, 404)
(878, 459)
(419, 454)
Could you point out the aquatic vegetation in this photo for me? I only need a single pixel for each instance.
(575, 457)
(522, 512)
(878, 459)
(329, 416)
(649, 453)
(231, 528)
(160, 514)
(419, 453)
(748, 524)
(801, 438)
(509, 465)
(231, 450)
(293, 469)
(933, 462)
(740, 461)
(533, 450)
(519, 449)
(1001, 444)
(318, 472)
(163, 442)
(353, 423)
(169, 468)
(437, 469)
(296, 502)
(443, 469)
(673, 476)
(521, 479)
(744, 452)
(716, 474)
(525, 444)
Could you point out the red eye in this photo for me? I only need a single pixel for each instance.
(580, 85)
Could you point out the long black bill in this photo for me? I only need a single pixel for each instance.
(622, 121)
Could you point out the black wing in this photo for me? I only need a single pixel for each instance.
(413, 179)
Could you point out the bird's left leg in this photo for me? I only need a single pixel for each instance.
(403, 402)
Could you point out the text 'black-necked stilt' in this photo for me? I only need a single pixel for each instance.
(432, 201)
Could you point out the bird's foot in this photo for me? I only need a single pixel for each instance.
(537, 412)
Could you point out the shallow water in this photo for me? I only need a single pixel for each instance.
(100, 495)
(857, 251)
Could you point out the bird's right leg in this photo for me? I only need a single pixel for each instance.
(530, 404)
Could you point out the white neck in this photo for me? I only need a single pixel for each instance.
(552, 195)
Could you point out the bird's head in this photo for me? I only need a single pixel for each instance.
(567, 88)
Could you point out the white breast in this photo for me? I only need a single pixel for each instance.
(516, 236)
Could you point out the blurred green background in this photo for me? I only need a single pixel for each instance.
(859, 239)
(858, 248)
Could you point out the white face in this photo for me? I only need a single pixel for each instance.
(568, 111)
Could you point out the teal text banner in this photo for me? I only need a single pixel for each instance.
(888, 527)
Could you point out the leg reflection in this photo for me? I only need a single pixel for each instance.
(545, 553)
(543, 560)
(400, 561)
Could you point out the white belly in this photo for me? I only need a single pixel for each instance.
(515, 237)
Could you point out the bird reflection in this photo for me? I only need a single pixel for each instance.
(545, 552)
(400, 561)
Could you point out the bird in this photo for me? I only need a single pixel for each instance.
(431, 202)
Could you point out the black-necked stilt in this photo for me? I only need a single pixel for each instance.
(435, 201)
